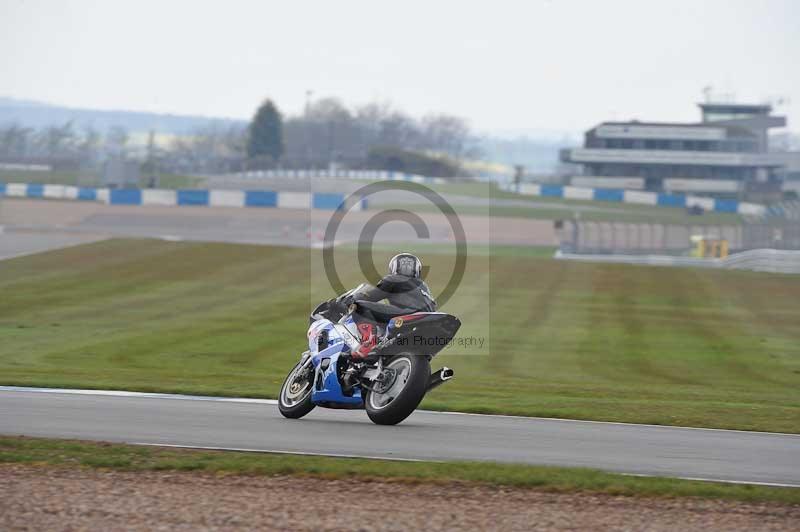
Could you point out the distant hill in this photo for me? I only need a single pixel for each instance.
(39, 115)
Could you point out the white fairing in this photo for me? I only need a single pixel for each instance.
(314, 331)
(349, 334)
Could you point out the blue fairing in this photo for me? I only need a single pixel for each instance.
(329, 391)
(326, 389)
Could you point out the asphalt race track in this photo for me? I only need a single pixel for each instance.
(26, 220)
(250, 424)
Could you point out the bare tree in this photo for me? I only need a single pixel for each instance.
(330, 132)
(56, 141)
(446, 133)
(117, 140)
(89, 146)
(15, 141)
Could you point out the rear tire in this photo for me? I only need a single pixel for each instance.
(383, 409)
(296, 403)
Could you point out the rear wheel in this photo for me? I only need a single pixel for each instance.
(405, 380)
(295, 398)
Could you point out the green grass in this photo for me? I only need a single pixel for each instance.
(50, 177)
(629, 213)
(475, 250)
(623, 212)
(67, 453)
(609, 342)
(90, 179)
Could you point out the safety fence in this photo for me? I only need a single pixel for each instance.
(187, 197)
(577, 236)
(639, 197)
(639, 238)
(760, 260)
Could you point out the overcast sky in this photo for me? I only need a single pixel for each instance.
(505, 65)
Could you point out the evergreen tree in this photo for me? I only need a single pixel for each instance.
(266, 133)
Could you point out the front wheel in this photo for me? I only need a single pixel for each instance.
(398, 395)
(295, 398)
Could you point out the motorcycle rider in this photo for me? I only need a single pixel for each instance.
(403, 288)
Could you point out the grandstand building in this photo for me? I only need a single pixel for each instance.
(724, 155)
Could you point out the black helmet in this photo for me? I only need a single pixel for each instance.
(405, 264)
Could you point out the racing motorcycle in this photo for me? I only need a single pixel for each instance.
(389, 382)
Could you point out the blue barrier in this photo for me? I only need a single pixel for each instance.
(125, 196)
(554, 191)
(35, 191)
(336, 201)
(723, 205)
(87, 194)
(328, 201)
(609, 194)
(260, 198)
(2, 188)
(192, 197)
(671, 200)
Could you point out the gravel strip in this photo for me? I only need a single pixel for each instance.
(59, 498)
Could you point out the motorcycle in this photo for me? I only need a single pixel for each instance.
(389, 383)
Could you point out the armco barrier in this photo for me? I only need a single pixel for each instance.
(192, 197)
(608, 194)
(125, 196)
(671, 200)
(260, 198)
(35, 191)
(187, 197)
(638, 197)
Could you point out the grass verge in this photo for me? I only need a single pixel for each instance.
(667, 346)
(48, 452)
(622, 212)
(612, 213)
(93, 179)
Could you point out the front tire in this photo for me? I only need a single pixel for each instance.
(402, 397)
(294, 401)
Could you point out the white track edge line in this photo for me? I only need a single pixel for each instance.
(148, 395)
(141, 395)
(273, 451)
(397, 459)
(703, 479)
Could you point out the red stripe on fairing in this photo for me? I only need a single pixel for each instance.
(415, 316)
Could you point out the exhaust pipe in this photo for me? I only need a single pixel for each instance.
(440, 377)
